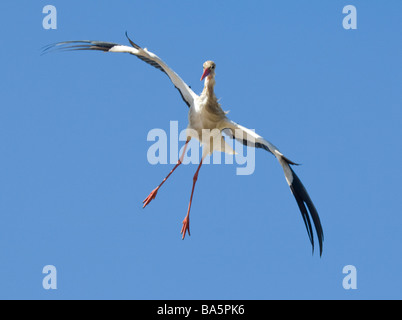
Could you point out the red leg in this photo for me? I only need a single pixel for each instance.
(186, 221)
(154, 192)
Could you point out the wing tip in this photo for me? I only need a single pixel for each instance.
(308, 211)
(136, 46)
(77, 45)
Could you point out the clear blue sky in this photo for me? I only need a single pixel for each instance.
(74, 171)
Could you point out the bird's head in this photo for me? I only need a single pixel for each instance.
(209, 69)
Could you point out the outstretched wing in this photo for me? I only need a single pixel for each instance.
(186, 93)
(306, 206)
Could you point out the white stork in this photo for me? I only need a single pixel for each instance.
(205, 113)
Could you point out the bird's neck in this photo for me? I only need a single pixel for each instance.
(210, 102)
(209, 87)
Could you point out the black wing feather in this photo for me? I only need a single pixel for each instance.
(303, 199)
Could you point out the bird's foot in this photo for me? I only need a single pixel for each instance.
(186, 226)
(151, 197)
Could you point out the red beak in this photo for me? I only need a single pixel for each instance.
(206, 73)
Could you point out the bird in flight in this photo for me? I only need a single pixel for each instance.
(207, 122)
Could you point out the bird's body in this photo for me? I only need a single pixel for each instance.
(207, 128)
(207, 122)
